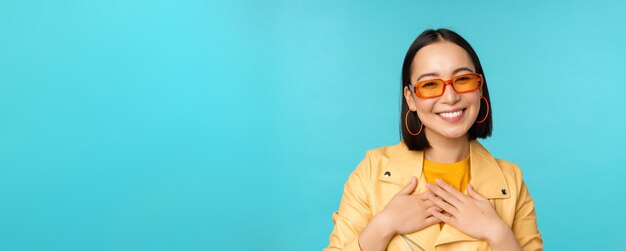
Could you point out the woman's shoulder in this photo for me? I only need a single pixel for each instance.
(511, 171)
(386, 158)
(385, 151)
(379, 157)
(504, 165)
(509, 166)
(375, 157)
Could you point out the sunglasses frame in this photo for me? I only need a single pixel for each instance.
(447, 82)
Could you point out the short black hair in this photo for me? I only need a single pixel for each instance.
(419, 142)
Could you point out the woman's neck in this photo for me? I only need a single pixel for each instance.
(446, 150)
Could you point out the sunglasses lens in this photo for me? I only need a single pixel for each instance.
(466, 83)
(430, 88)
(434, 88)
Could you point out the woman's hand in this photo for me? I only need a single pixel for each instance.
(472, 215)
(405, 213)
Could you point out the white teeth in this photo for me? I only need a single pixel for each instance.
(451, 114)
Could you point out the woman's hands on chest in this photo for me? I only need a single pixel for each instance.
(405, 213)
(473, 215)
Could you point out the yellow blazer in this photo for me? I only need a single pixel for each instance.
(386, 170)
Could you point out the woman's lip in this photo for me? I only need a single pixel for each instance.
(454, 110)
(455, 118)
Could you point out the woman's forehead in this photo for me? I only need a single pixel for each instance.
(440, 59)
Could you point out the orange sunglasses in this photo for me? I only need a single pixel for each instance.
(433, 88)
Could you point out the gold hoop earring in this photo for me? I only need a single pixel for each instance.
(406, 124)
(487, 114)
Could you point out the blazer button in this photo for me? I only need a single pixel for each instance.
(503, 191)
(387, 174)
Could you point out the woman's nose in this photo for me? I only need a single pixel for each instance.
(450, 96)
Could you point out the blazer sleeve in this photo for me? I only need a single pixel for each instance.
(354, 210)
(525, 221)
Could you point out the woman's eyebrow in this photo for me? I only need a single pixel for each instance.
(434, 74)
(461, 69)
(430, 74)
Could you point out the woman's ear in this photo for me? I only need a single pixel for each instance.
(410, 101)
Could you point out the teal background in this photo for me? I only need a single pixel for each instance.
(232, 125)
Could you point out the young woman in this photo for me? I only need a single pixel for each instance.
(438, 189)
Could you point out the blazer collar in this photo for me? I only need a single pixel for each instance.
(485, 174)
(486, 178)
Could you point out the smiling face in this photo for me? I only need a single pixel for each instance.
(452, 114)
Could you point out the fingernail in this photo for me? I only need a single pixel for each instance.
(429, 185)
(439, 181)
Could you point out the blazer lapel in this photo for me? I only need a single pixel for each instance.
(487, 179)
(485, 173)
(485, 176)
(401, 166)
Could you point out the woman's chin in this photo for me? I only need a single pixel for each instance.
(451, 130)
(453, 134)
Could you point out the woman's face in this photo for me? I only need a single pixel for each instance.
(452, 114)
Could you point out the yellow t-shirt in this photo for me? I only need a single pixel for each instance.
(456, 174)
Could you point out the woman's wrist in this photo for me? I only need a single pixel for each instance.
(498, 233)
(376, 235)
(502, 238)
(383, 226)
